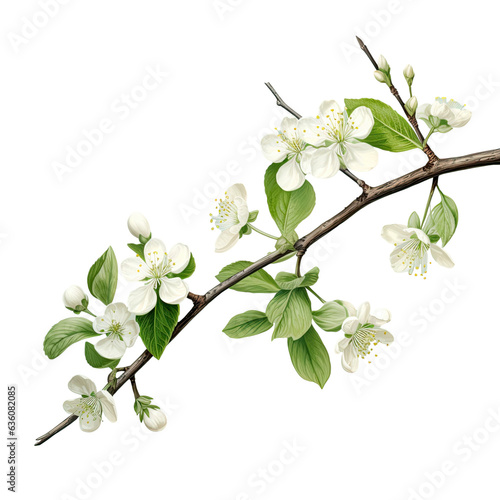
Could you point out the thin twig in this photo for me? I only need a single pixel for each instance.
(428, 171)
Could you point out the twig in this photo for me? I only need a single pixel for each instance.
(428, 171)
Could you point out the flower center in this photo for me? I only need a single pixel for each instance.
(158, 266)
(338, 126)
(292, 142)
(88, 408)
(416, 256)
(227, 214)
(362, 340)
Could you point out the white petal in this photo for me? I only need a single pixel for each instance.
(350, 325)
(154, 252)
(321, 163)
(460, 118)
(118, 312)
(243, 215)
(173, 290)
(142, 300)
(290, 177)
(89, 423)
(225, 241)
(350, 360)
(399, 259)
(442, 111)
(440, 256)
(156, 421)
(73, 406)
(179, 255)
(80, 384)
(384, 337)
(273, 148)
(360, 157)
(112, 347)
(329, 108)
(130, 332)
(364, 313)
(289, 125)
(395, 233)
(101, 324)
(108, 405)
(380, 317)
(351, 310)
(237, 190)
(362, 121)
(423, 111)
(341, 346)
(310, 131)
(134, 269)
(421, 235)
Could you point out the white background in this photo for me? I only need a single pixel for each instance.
(233, 405)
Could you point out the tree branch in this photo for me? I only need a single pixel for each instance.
(428, 171)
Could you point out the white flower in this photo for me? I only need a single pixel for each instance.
(138, 225)
(91, 405)
(74, 297)
(288, 143)
(154, 271)
(444, 115)
(231, 217)
(120, 328)
(361, 331)
(412, 246)
(341, 134)
(156, 421)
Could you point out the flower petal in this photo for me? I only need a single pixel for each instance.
(399, 259)
(273, 148)
(89, 423)
(442, 111)
(179, 255)
(380, 317)
(383, 336)
(108, 405)
(327, 108)
(321, 163)
(82, 385)
(364, 312)
(117, 312)
(101, 324)
(290, 177)
(460, 118)
(360, 157)
(440, 256)
(350, 325)
(395, 233)
(421, 235)
(173, 290)
(342, 344)
(362, 121)
(154, 252)
(310, 131)
(350, 360)
(156, 421)
(112, 347)
(225, 241)
(134, 269)
(142, 300)
(130, 332)
(237, 190)
(73, 406)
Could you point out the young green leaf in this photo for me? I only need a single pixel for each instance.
(310, 357)
(247, 324)
(290, 311)
(65, 333)
(258, 282)
(252, 216)
(445, 217)
(289, 281)
(157, 327)
(391, 131)
(414, 221)
(103, 277)
(138, 248)
(188, 271)
(95, 360)
(330, 316)
(288, 208)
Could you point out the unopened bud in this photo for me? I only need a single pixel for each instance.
(409, 74)
(75, 299)
(138, 225)
(383, 65)
(411, 105)
(382, 77)
(156, 421)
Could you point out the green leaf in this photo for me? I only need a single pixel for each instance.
(310, 357)
(290, 311)
(103, 277)
(252, 216)
(247, 324)
(414, 220)
(391, 131)
(330, 316)
(65, 333)
(188, 271)
(289, 281)
(95, 360)
(157, 327)
(138, 248)
(258, 282)
(288, 208)
(445, 217)
(245, 230)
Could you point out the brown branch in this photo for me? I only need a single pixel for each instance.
(428, 171)
(394, 91)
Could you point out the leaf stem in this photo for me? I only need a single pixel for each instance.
(431, 131)
(315, 294)
(431, 193)
(88, 312)
(257, 230)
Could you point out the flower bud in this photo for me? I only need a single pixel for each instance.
(156, 421)
(409, 74)
(75, 299)
(411, 105)
(382, 77)
(383, 65)
(138, 225)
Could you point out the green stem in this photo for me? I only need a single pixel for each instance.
(315, 294)
(88, 312)
(262, 232)
(433, 188)
(431, 131)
